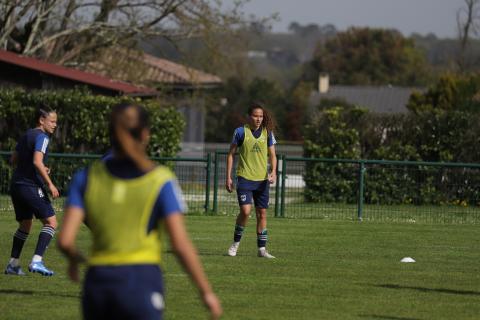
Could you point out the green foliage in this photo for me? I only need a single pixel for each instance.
(444, 127)
(451, 92)
(296, 115)
(363, 56)
(329, 135)
(83, 120)
(222, 120)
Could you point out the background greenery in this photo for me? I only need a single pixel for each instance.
(83, 120)
(443, 125)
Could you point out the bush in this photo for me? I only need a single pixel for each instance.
(83, 120)
(329, 135)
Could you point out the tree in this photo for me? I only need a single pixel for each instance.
(73, 31)
(364, 56)
(221, 120)
(451, 92)
(467, 24)
(297, 111)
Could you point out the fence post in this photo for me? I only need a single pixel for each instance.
(361, 180)
(284, 166)
(277, 186)
(207, 183)
(215, 182)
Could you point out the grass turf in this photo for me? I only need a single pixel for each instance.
(324, 270)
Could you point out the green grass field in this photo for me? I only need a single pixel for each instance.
(324, 270)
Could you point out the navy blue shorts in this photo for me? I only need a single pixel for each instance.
(256, 190)
(123, 292)
(29, 201)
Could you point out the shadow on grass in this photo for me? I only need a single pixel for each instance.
(40, 293)
(422, 289)
(376, 316)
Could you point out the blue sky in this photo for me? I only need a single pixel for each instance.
(407, 16)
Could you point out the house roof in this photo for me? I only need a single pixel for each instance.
(381, 99)
(71, 74)
(152, 69)
(170, 72)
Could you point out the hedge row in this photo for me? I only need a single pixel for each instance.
(83, 120)
(82, 127)
(431, 135)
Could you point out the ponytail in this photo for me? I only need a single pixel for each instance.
(127, 122)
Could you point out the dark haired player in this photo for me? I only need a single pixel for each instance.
(30, 182)
(255, 143)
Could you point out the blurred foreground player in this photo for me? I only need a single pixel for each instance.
(126, 201)
(30, 182)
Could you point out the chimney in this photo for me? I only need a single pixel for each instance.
(323, 82)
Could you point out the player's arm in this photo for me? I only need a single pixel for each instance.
(186, 253)
(72, 221)
(73, 218)
(14, 159)
(272, 176)
(231, 154)
(43, 171)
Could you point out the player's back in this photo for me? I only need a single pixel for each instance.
(118, 214)
(25, 172)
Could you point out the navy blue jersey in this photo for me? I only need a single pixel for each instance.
(25, 172)
(170, 199)
(239, 136)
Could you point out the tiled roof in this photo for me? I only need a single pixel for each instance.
(167, 71)
(151, 69)
(382, 99)
(71, 74)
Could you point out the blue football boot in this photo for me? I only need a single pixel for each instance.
(39, 267)
(17, 271)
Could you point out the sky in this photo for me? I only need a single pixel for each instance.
(407, 16)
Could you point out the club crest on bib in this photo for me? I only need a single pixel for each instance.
(256, 148)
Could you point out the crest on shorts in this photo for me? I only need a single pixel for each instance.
(40, 193)
(243, 197)
(157, 301)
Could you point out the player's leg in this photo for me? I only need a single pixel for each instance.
(141, 296)
(244, 197)
(261, 199)
(96, 295)
(262, 233)
(19, 239)
(240, 224)
(47, 216)
(23, 214)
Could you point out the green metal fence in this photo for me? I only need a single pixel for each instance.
(193, 176)
(366, 190)
(226, 203)
(376, 190)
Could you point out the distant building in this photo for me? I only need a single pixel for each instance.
(186, 86)
(256, 54)
(31, 73)
(181, 83)
(378, 99)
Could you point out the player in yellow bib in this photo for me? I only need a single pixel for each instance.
(127, 202)
(255, 143)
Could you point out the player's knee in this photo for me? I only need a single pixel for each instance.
(52, 223)
(25, 225)
(244, 214)
(261, 214)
